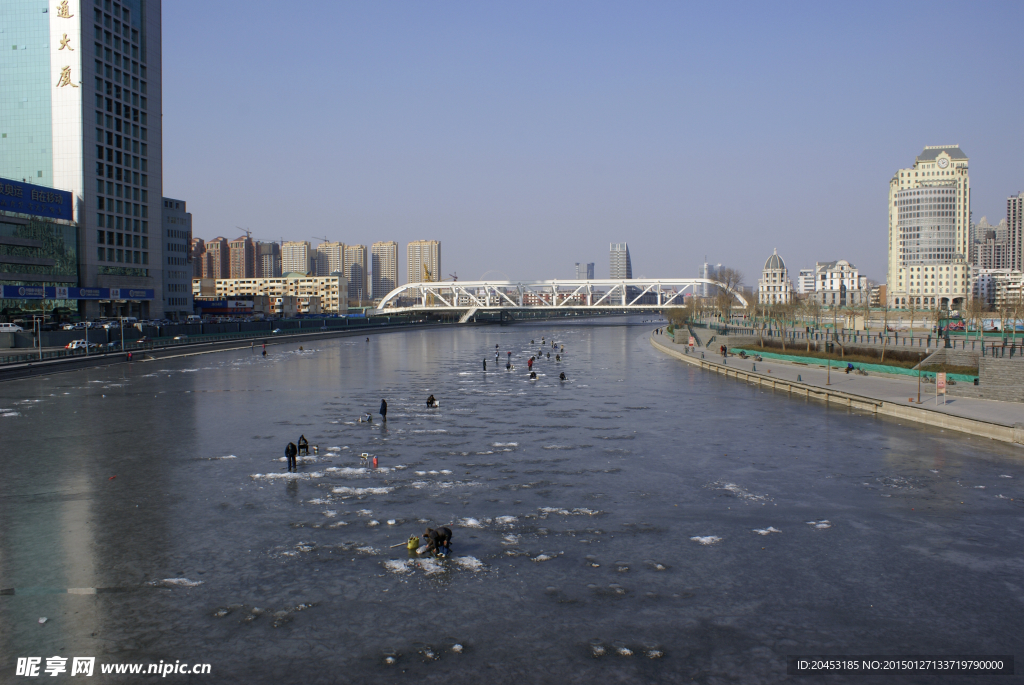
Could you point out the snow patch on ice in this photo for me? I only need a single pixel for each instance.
(398, 565)
(820, 524)
(469, 563)
(286, 476)
(767, 531)
(506, 520)
(360, 491)
(706, 539)
(470, 523)
(177, 582)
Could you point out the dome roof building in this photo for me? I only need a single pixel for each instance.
(774, 286)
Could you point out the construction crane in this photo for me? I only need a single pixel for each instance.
(454, 277)
(246, 231)
(323, 240)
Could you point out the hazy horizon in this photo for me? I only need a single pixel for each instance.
(527, 138)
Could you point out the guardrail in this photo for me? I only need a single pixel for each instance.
(103, 351)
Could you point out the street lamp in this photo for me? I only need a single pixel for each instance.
(921, 358)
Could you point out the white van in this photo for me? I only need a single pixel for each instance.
(194, 318)
(10, 328)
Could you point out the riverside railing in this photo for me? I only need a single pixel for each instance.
(1001, 348)
(161, 343)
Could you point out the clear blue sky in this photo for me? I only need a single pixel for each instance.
(527, 136)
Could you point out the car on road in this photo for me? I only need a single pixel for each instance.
(80, 345)
(10, 328)
(181, 337)
(276, 330)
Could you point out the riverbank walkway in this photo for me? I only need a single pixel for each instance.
(881, 388)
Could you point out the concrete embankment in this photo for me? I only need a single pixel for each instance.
(1010, 433)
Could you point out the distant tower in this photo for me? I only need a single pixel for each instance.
(384, 267)
(619, 262)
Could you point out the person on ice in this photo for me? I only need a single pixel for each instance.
(290, 451)
(384, 410)
(561, 376)
(533, 375)
(439, 541)
(303, 446)
(485, 365)
(431, 402)
(529, 364)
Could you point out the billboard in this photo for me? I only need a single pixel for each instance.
(38, 292)
(26, 198)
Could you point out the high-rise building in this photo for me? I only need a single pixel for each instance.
(242, 262)
(584, 272)
(198, 257)
(929, 231)
(268, 260)
(620, 265)
(710, 272)
(218, 259)
(330, 258)
(80, 105)
(296, 257)
(774, 286)
(178, 266)
(384, 267)
(805, 281)
(1015, 231)
(990, 245)
(356, 272)
(423, 261)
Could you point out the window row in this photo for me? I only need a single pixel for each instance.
(114, 106)
(127, 208)
(128, 194)
(113, 254)
(121, 224)
(117, 174)
(122, 239)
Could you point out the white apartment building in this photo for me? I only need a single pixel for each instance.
(997, 287)
(930, 231)
(839, 283)
(805, 282)
(384, 268)
(80, 104)
(297, 257)
(423, 261)
(356, 272)
(774, 286)
(176, 225)
(330, 258)
(332, 290)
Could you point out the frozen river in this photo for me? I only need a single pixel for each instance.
(641, 522)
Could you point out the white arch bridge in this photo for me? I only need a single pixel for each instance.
(640, 294)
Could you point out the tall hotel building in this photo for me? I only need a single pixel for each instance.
(423, 261)
(384, 267)
(355, 272)
(80, 110)
(929, 231)
(619, 264)
(296, 257)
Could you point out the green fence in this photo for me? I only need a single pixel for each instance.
(841, 366)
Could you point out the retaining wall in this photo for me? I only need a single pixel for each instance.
(994, 431)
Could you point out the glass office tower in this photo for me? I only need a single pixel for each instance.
(80, 111)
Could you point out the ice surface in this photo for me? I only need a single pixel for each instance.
(286, 476)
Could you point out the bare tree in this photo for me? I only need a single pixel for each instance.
(731, 279)
(912, 310)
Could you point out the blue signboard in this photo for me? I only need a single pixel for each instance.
(26, 198)
(38, 292)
